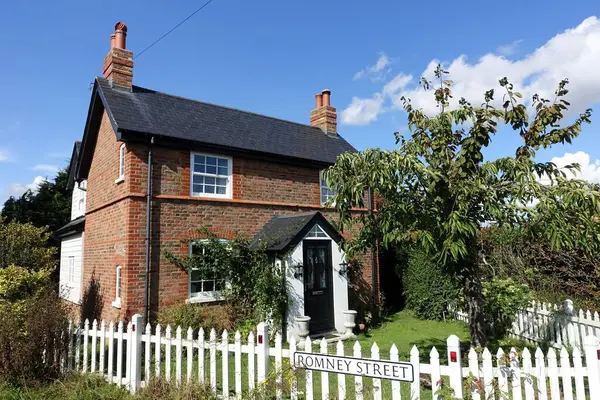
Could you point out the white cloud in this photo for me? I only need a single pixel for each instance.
(376, 72)
(17, 189)
(573, 54)
(362, 111)
(397, 83)
(3, 155)
(589, 170)
(508, 49)
(49, 168)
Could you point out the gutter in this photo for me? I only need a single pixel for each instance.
(148, 232)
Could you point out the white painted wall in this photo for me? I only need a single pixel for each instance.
(71, 246)
(78, 201)
(296, 286)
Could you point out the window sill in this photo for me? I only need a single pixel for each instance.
(211, 196)
(121, 179)
(116, 303)
(210, 297)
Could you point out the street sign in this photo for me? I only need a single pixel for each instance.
(381, 369)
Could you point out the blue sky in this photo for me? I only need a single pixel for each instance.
(271, 57)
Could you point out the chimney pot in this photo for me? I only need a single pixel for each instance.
(112, 41)
(319, 99)
(326, 93)
(120, 35)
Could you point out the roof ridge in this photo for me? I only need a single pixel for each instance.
(228, 107)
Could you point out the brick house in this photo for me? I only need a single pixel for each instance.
(157, 165)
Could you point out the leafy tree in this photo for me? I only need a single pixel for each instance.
(437, 190)
(25, 246)
(49, 206)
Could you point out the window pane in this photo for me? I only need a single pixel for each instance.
(211, 161)
(223, 162)
(209, 180)
(195, 275)
(198, 179)
(222, 181)
(199, 159)
(197, 189)
(196, 287)
(209, 189)
(223, 171)
(221, 190)
(199, 168)
(209, 286)
(211, 170)
(219, 285)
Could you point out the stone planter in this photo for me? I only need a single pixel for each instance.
(302, 329)
(349, 323)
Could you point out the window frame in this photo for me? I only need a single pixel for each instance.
(202, 297)
(228, 189)
(122, 151)
(118, 286)
(71, 270)
(322, 185)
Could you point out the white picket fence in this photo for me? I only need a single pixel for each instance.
(131, 355)
(549, 323)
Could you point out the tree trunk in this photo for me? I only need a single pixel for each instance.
(474, 299)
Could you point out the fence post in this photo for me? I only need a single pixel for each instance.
(135, 352)
(455, 364)
(592, 355)
(262, 352)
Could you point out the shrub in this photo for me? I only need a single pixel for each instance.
(25, 246)
(195, 316)
(33, 337)
(429, 290)
(161, 389)
(502, 299)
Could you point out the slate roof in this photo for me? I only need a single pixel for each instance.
(283, 232)
(150, 112)
(75, 226)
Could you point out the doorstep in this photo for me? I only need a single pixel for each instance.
(330, 337)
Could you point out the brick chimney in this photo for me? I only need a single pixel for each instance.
(324, 115)
(118, 63)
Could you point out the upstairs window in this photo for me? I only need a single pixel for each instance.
(326, 193)
(211, 175)
(71, 269)
(121, 177)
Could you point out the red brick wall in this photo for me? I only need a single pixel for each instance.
(116, 215)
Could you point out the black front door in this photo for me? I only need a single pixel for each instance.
(318, 290)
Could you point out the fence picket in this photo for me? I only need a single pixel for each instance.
(238, 365)
(395, 384)
(120, 354)
(324, 375)
(190, 353)
(71, 346)
(278, 367)
(415, 386)
(77, 346)
(225, 363)
(376, 382)
(527, 375)
(168, 344)
(578, 368)
(294, 380)
(251, 363)
(565, 372)
(474, 371)
(597, 321)
(94, 345)
(540, 369)
(157, 348)
(358, 381)
(178, 348)
(201, 344)
(111, 348)
(86, 332)
(488, 374)
(592, 347)
(127, 353)
(436, 376)
(582, 331)
(515, 372)
(553, 375)
(502, 374)
(102, 346)
(213, 359)
(308, 372)
(148, 353)
(341, 378)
